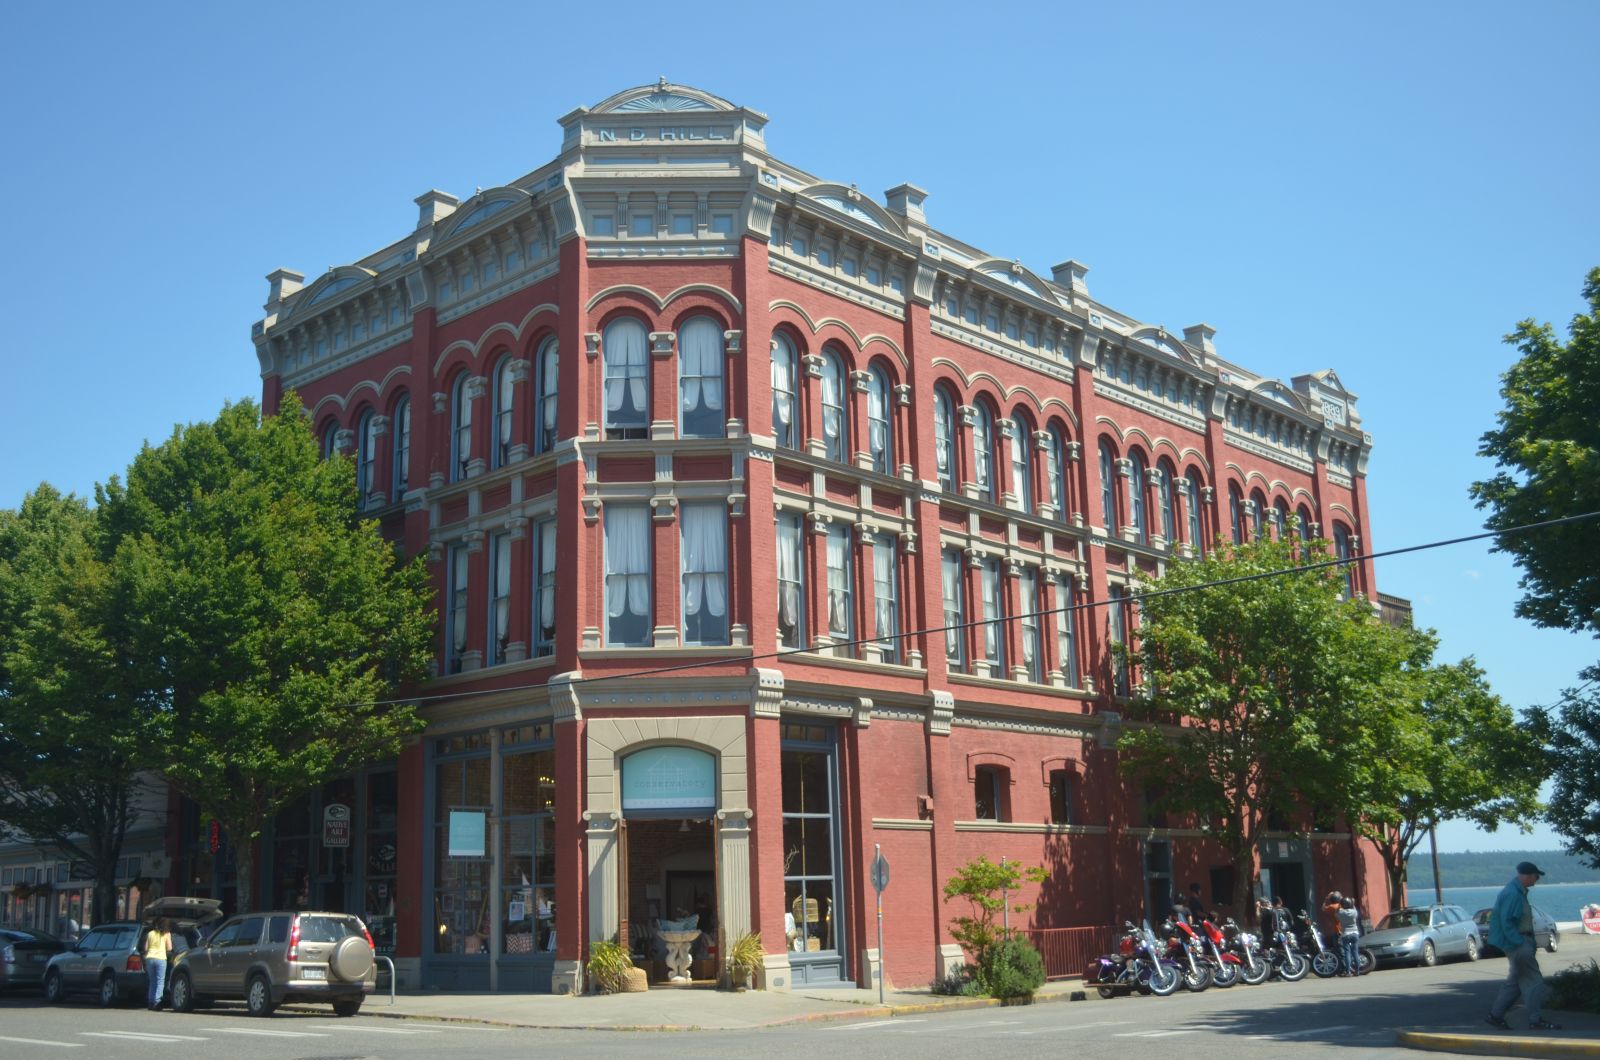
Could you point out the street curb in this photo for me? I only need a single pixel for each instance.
(1490, 1045)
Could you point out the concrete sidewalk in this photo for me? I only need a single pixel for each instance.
(675, 1009)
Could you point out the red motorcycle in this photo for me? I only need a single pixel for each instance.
(1225, 964)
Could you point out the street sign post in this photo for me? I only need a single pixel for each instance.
(880, 880)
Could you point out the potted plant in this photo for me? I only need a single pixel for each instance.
(744, 960)
(611, 969)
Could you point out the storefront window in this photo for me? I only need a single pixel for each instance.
(809, 869)
(528, 864)
(291, 866)
(381, 839)
(461, 885)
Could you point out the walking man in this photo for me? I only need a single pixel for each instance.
(1511, 928)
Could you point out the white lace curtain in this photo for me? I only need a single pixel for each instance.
(833, 406)
(458, 600)
(1021, 477)
(1052, 470)
(627, 560)
(839, 582)
(502, 592)
(547, 581)
(1028, 590)
(878, 420)
(700, 357)
(503, 404)
(1067, 657)
(982, 449)
(883, 588)
(783, 390)
(991, 610)
(790, 583)
(705, 559)
(951, 581)
(626, 367)
(549, 375)
(942, 431)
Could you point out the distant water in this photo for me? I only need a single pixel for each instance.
(1560, 900)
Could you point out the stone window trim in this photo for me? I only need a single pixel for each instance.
(999, 760)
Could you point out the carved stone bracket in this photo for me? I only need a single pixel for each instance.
(908, 542)
(733, 341)
(860, 381)
(475, 387)
(591, 344)
(1074, 452)
(863, 712)
(662, 343)
(941, 709)
(902, 394)
(766, 693)
(813, 363)
(520, 370)
(820, 521)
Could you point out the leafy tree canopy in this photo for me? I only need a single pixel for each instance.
(1571, 735)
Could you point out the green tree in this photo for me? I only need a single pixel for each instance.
(1260, 699)
(261, 615)
(69, 733)
(987, 889)
(1570, 733)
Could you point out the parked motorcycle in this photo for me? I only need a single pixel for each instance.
(1285, 957)
(1137, 965)
(1324, 961)
(1225, 964)
(1183, 950)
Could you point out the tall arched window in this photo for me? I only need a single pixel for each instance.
(944, 433)
(402, 447)
(1022, 462)
(700, 389)
(880, 429)
(1280, 519)
(504, 413)
(627, 379)
(983, 450)
(1108, 485)
(1196, 536)
(1236, 513)
(1303, 514)
(785, 429)
(1169, 520)
(1136, 484)
(1342, 552)
(835, 422)
(1258, 515)
(330, 439)
(1055, 457)
(460, 429)
(366, 457)
(548, 405)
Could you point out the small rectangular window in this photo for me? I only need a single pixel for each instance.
(683, 224)
(447, 290)
(825, 257)
(641, 224)
(874, 276)
(991, 321)
(603, 224)
(513, 260)
(847, 266)
(468, 282)
(491, 271)
(952, 307)
(1012, 333)
(971, 314)
(797, 246)
(338, 341)
(1060, 796)
(988, 793)
(722, 224)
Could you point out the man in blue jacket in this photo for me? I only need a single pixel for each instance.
(1511, 928)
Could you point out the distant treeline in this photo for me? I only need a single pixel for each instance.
(1493, 867)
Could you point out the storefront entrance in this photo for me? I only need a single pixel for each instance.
(669, 893)
(813, 905)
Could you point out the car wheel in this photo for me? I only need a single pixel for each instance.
(182, 994)
(55, 991)
(1430, 956)
(347, 1007)
(1472, 947)
(258, 997)
(1554, 943)
(108, 990)
(1368, 961)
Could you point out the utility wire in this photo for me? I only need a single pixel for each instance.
(1086, 605)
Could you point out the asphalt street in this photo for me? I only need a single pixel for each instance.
(1333, 1017)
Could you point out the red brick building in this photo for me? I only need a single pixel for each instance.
(667, 407)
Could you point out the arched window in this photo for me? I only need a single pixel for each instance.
(835, 422)
(1022, 462)
(1108, 487)
(944, 433)
(402, 447)
(330, 439)
(1280, 519)
(1055, 457)
(1342, 552)
(1169, 521)
(1258, 515)
(504, 390)
(1136, 484)
(983, 450)
(1196, 537)
(700, 389)
(1236, 513)
(366, 458)
(545, 411)
(627, 379)
(880, 429)
(1303, 514)
(785, 431)
(460, 429)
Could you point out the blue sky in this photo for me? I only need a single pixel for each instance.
(1380, 189)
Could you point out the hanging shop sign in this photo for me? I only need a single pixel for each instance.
(466, 837)
(669, 778)
(336, 825)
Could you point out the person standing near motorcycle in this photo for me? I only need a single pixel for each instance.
(1511, 928)
(1349, 936)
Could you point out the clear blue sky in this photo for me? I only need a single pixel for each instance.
(1383, 189)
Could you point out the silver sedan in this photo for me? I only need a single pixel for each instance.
(1423, 934)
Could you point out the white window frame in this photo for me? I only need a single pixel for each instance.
(545, 562)
(500, 546)
(623, 583)
(699, 382)
(626, 378)
(886, 596)
(402, 446)
(703, 563)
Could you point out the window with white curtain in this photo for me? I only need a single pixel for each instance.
(1236, 514)
(1028, 622)
(1066, 625)
(841, 605)
(1108, 486)
(1055, 464)
(1192, 503)
(402, 447)
(548, 372)
(700, 389)
(983, 451)
(456, 621)
(880, 432)
(785, 404)
(886, 596)
(1280, 519)
(1169, 525)
(994, 630)
(499, 597)
(1117, 625)
(1136, 484)
(460, 429)
(1258, 515)
(954, 612)
(835, 423)
(944, 433)
(504, 415)
(704, 555)
(791, 581)
(627, 379)
(330, 440)
(1343, 551)
(627, 575)
(366, 457)
(544, 588)
(1021, 464)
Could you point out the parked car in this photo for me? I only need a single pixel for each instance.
(23, 956)
(270, 958)
(1423, 934)
(1545, 931)
(106, 960)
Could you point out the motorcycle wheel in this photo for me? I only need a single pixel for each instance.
(1368, 962)
(1325, 964)
(1162, 980)
(1294, 968)
(1225, 976)
(1108, 992)
(1197, 980)
(1263, 972)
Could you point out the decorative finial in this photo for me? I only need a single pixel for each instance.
(661, 84)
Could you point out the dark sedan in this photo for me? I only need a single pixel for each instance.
(23, 956)
(1545, 932)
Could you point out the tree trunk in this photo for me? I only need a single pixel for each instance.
(244, 864)
(1244, 880)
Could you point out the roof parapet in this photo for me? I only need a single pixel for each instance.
(1199, 336)
(284, 282)
(434, 206)
(906, 200)
(1070, 274)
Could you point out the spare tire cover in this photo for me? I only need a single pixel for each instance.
(351, 959)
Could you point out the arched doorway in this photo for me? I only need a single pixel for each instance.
(668, 871)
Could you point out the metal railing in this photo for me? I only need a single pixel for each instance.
(1068, 951)
(385, 960)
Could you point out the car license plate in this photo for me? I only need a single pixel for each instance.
(313, 973)
(39, 958)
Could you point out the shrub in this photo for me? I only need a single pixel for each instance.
(1013, 969)
(609, 964)
(1576, 989)
(745, 958)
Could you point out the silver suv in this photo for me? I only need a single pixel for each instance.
(106, 960)
(270, 958)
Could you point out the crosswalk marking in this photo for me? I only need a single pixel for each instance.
(141, 1036)
(263, 1034)
(1303, 1033)
(42, 1041)
(872, 1025)
(367, 1028)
